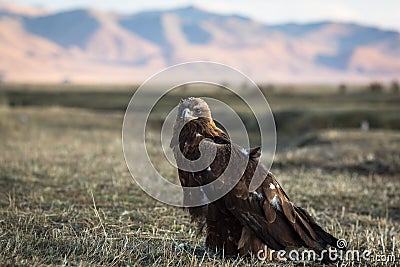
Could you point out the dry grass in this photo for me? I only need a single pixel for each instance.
(66, 196)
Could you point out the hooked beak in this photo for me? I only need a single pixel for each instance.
(187, 115)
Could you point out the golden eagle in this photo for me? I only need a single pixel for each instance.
(240, 222)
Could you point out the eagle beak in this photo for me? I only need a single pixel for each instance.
(187, 115)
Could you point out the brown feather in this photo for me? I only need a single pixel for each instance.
(288, 210)
(269, 212)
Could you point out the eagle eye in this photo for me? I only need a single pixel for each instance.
(197, 111)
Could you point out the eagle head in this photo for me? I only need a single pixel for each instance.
(189, 109)
(192, 108)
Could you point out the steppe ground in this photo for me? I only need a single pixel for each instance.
(67, 198)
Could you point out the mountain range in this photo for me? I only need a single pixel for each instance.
(91, 46)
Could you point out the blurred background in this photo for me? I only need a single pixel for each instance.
(320, 65)
(330, 71)
(103, 42)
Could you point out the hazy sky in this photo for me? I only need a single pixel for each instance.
(383, 13)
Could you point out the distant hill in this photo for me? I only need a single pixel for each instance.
(94, 46)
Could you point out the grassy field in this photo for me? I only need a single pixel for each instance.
(67, 198)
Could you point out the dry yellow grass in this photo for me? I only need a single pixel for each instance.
(66, 196)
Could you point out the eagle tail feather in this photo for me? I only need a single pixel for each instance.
(322, 234)
(313, 235)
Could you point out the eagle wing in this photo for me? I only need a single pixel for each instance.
(266, 214)
(272, 217)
